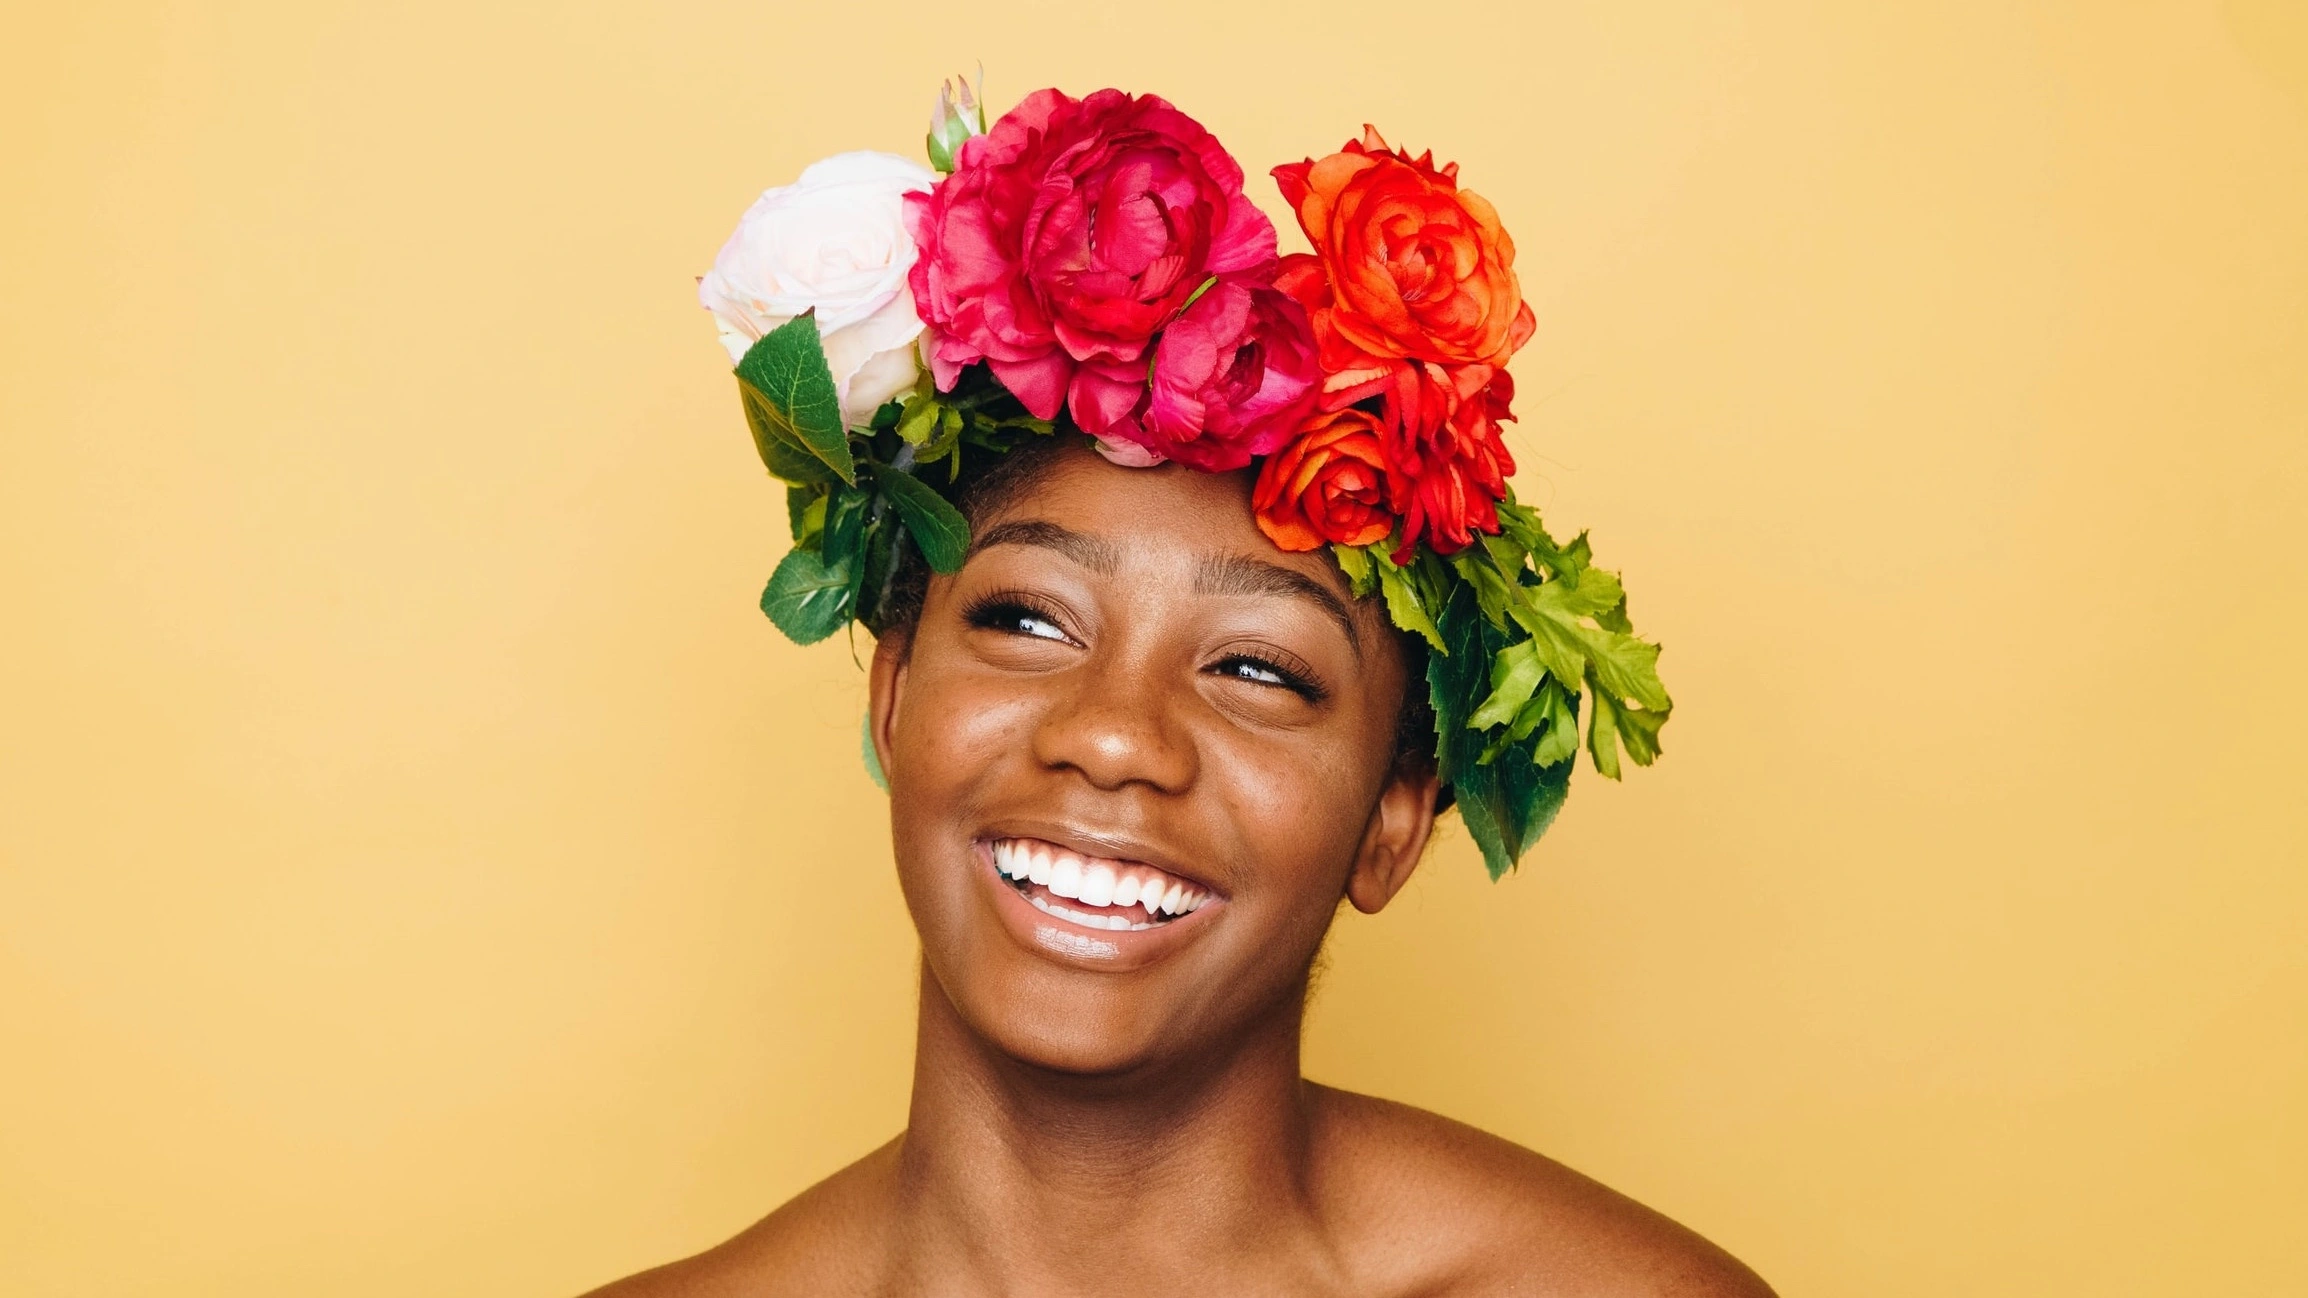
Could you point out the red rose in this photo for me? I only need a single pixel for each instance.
(1330, 485)
(1069, 235)
(1451, 466)
(1418, 268)
(1230, 381)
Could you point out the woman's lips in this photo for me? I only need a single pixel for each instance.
(1091, 891)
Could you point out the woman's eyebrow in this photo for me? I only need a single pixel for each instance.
(1099, 556)
(1239, 574)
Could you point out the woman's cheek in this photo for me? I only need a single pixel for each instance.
(971, 721)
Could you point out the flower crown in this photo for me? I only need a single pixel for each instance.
(1093, 264)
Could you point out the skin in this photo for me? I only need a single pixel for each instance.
(1123, 1114)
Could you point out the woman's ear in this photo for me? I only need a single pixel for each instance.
(1394, 840)
(884, 684)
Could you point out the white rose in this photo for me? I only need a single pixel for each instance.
(835, 239)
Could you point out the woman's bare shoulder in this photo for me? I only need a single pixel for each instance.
(827, 1239)
(1425, 1205)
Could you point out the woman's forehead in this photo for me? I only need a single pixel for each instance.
(1113, 520)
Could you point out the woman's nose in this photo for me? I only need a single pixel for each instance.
(1120, 725)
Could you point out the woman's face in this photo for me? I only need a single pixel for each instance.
(1136, 756)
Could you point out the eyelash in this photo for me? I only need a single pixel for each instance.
(1005, 611)
(1287, 678)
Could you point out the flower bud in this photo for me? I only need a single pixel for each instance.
(958, 114)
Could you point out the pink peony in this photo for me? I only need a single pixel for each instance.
(1231, 380)
(1068, 237)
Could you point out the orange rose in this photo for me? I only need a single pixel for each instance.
(1417, 268)
(1328, 485)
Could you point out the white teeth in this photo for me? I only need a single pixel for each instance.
(1097, 885)
(1114, 922)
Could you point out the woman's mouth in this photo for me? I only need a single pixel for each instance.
(1093, 891)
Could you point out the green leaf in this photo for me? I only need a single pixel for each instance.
(1639, 731)
(1541, 798)
(920, 419)
(878, 567)
(1515, 674)
(937, 527)
(1456, 678)
(1355, 563)
(1402, 603)
(809, 598)
(1493, 591)
(1559, 742)
(1481, 807)
(1556, 641)
(1508, 805)
(804, 513)
(873, 760)
(786, 461)
(1603, 736)
(1626, 667)
(790, 397)
(1595, 592)
(1551, 715)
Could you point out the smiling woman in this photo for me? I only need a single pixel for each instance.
(1136, 757)
(1220, 599)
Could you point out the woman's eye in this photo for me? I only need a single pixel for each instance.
(1039, 627)
(1258, 671)
(1016, 619)
(1250, 669)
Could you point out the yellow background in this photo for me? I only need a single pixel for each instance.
(423, 871)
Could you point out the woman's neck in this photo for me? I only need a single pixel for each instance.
(1028, 1179)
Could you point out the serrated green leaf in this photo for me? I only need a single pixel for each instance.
(1355, 563)
(807, 597)
(1555, 640)
(1626, 667)
(1552, 716)
(1480, 806)
(1559, 742)
(1595, 592)
(1402, 603)
(1603, 735)
(1639, 731)
(938, 528)
(1508, 805)
(1543, 797)
(790, 396)
(1492, 590)
(1515, 675)
(1456, 679)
